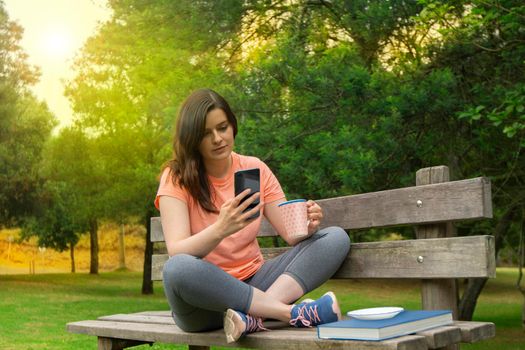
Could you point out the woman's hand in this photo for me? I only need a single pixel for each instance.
(231, 217)
(315, 215)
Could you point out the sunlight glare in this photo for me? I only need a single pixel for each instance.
(57, 44)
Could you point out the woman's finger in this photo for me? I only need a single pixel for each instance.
(312, 206)
(249, 201)
(315, 216)
(313, 226)
(238, 198)
(246, 216)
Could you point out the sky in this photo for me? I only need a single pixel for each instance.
(54, 31)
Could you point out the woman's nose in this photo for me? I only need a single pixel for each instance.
(216, 137)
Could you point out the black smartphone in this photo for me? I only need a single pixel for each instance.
(248, 178)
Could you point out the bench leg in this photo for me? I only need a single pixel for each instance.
(198, 347)
(118, 344)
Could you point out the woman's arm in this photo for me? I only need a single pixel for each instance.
(272, 213)
(175, 221)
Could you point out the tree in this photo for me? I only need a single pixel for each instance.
(76, 182)
(25, 124)
(131, 76)
(53, 221)
(485, 53)
(364, 98)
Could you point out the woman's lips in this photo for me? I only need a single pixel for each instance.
(220, 149)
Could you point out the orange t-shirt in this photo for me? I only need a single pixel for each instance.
(238, 254)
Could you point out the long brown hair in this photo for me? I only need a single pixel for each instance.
(187, 166)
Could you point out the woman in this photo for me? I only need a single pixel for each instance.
(216, 276)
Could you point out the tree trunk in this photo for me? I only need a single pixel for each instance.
(93, 229)
(122, 251)
(147, 283)
(72, 256)
(468, 301)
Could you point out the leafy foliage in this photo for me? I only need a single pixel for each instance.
(338, 97)
(53, 223)
(25, 124)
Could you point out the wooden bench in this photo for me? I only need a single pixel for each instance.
(436, 258)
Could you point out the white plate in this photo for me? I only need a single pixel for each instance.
(375, 313)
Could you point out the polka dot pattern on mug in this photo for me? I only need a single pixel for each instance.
(295, 218)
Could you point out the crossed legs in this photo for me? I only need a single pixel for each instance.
(198, 304)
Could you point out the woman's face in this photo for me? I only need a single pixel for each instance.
(218, 140)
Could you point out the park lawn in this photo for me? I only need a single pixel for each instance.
(34, 309)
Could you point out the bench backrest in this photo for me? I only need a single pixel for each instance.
(436, 257)
(417, 205)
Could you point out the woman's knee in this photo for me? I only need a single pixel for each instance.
(179, 266)
(338, 238)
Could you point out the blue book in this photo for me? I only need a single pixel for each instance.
(406, 322)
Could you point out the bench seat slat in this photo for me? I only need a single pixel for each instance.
(289, 338)
(138, 318)
(472, 332)
(455, 257)
(447, 201)
(436, 338)
(163, 329)
(163, 313)
(442, 336)
(464, 331)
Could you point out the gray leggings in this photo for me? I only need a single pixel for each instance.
(199, 292)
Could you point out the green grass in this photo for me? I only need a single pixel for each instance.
(34, 309)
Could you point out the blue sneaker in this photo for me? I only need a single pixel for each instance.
(323, 310)
(237, 324)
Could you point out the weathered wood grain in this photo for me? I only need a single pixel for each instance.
(163, 313)
(465, 331)
(456, 257)
(437, 294)
(441, 336)
(124, 327)
(289, 338)
(449, 201)
(472, 332)
(138, 318)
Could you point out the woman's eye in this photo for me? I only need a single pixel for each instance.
(223, 128)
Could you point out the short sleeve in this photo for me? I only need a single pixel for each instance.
(272, 187)
(167, 188)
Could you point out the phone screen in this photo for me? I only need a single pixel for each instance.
(249, 178)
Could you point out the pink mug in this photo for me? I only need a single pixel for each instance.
(295, 217)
